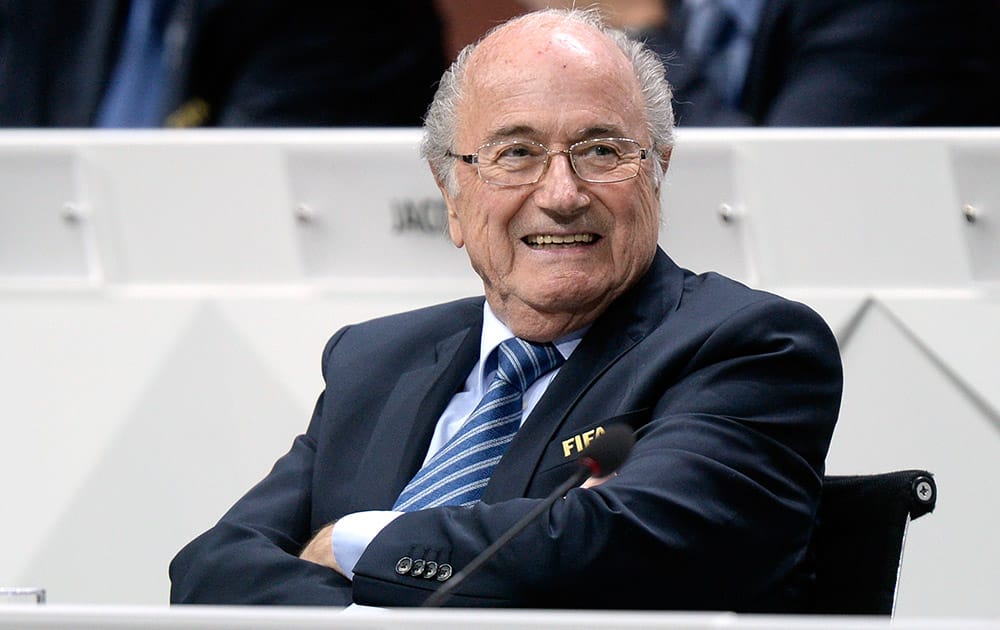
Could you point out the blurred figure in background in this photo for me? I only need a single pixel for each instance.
(821, 62)
(186, 63)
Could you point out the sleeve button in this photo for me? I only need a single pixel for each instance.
(430, 569)
(418, 568)
(444, 572)
(403, 565)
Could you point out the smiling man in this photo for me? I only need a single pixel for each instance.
(549, 140)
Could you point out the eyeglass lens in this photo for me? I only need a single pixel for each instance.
(602, 160)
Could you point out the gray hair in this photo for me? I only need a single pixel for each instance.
(442, 115)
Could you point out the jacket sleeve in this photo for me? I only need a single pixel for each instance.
(713, 509)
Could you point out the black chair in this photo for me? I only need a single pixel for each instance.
(859, 538)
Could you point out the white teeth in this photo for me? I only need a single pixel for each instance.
(559, 239)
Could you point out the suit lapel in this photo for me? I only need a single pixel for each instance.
(616, 332)
(410, 414)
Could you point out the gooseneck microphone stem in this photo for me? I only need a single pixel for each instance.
(442, 594)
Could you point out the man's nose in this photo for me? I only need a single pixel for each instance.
(559, 190)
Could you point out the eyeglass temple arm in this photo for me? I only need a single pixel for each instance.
(469, 158)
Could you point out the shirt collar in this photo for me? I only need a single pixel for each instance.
(496, 332)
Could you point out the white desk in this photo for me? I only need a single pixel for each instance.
(236, 618)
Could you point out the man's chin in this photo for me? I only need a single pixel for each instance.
(570, 297)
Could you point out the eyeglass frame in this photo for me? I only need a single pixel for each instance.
(473, 158)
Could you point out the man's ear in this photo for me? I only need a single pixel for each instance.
(665, 160)
(454, 224)
(664, 165)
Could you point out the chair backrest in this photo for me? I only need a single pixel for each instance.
(858, 543)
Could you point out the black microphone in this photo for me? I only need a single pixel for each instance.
(602, 457)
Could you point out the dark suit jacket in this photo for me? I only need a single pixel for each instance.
(852, 62)
(233, 62)
(733, 394)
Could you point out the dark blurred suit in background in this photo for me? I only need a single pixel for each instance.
(226, 62)
(792, 63)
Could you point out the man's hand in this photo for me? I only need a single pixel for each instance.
(320, 549)
(596, 481)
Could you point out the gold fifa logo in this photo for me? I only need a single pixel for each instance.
(579, 442)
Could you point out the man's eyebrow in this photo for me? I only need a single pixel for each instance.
(599, 131)
(512, 131)
(531, 133)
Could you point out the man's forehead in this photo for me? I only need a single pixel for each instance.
(573, 63)
(535, 41)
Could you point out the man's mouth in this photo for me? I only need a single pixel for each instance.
(560, 240)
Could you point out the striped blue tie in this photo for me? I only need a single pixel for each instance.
(458, 473)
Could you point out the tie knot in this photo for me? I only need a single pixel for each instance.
(521, 362)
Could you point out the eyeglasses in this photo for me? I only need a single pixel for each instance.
(522, 162)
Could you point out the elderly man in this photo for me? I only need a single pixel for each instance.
(440, 428)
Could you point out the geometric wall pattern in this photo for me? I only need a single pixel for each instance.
(922, 391)
(164, 300)
(138, 422)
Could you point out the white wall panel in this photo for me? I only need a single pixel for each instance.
(41, 235)
(881, 211)
(214, 214)
(976, 173)
(704, 222)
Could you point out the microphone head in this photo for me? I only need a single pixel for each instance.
(605, 454)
